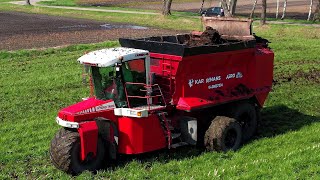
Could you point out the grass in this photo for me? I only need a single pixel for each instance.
(172, 22)
(35, 84)
(73, 4)
(122, 7)
(2, 1)
(287, 20)
(93, 2)
(129, 7)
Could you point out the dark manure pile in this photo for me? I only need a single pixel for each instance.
(209, 37)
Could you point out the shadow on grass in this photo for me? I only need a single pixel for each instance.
(276, 120)
(281, 119)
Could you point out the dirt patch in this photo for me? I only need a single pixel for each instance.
(298, 62)
(27, 31)
(209, 37)
(313, 76)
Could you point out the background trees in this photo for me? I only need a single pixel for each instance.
(263, 12)
(166, 10)
(229, 7)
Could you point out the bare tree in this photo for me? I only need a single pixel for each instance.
(253, 8)
(284, 9)
(263, 12)
(316, 15)
(233, 6)
(28, 2)
(166, 7)
(225, 7)
(201, 8)
(277, 12)
(310, 10)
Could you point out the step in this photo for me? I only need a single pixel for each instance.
(175, 135)
(176, 145)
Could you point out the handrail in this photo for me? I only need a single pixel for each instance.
(147, 96)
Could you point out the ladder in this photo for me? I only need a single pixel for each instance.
(167, 75)
(165, 126)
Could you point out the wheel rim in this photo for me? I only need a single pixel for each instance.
(89, 160)
(231, 138)
(245, 121)
(90, 163)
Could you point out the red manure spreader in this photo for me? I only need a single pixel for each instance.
(199, 89)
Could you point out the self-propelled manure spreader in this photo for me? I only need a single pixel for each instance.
(204, 88)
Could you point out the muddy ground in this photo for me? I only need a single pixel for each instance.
(300, 75)
(27, 31)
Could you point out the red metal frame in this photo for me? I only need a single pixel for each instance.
(140, 135)
(144, 97)
(88, 139)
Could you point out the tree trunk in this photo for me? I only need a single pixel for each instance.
(284, 9)
(263, 12)
(201, 8)
(277, 12)
(28, 2)
(316, 15)
(226, 10)
(253, 8)
(228, 3)
(233, 6)
(166, 7)
(310, 10)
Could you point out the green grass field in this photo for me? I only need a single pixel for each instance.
(121, 3)
(35, 84)
(172, 22)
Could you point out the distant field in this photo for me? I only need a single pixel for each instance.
(7, 0)
(296, 9)
(38, 31)
(34, 85)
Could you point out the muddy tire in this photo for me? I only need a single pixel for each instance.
(224, 134)
(65, 153)
(246, 115)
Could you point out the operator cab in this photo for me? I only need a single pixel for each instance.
(123, 75)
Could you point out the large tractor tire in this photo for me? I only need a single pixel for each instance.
(224, 134)
(247, 115)
(65, 153)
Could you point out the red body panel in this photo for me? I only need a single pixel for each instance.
(88, 137)
(209, 79)
(139, 135)
(84, 112)
(263, 74)
(88, 110)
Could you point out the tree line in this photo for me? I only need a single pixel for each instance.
(229, 7)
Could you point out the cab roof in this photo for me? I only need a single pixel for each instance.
(110, 56)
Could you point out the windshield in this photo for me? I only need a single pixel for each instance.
(107, 85)
(214, 10)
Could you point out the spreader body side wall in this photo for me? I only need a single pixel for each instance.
(262, 71)
(209, 79)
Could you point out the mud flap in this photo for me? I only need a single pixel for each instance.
(88, 138)
(109, 133)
